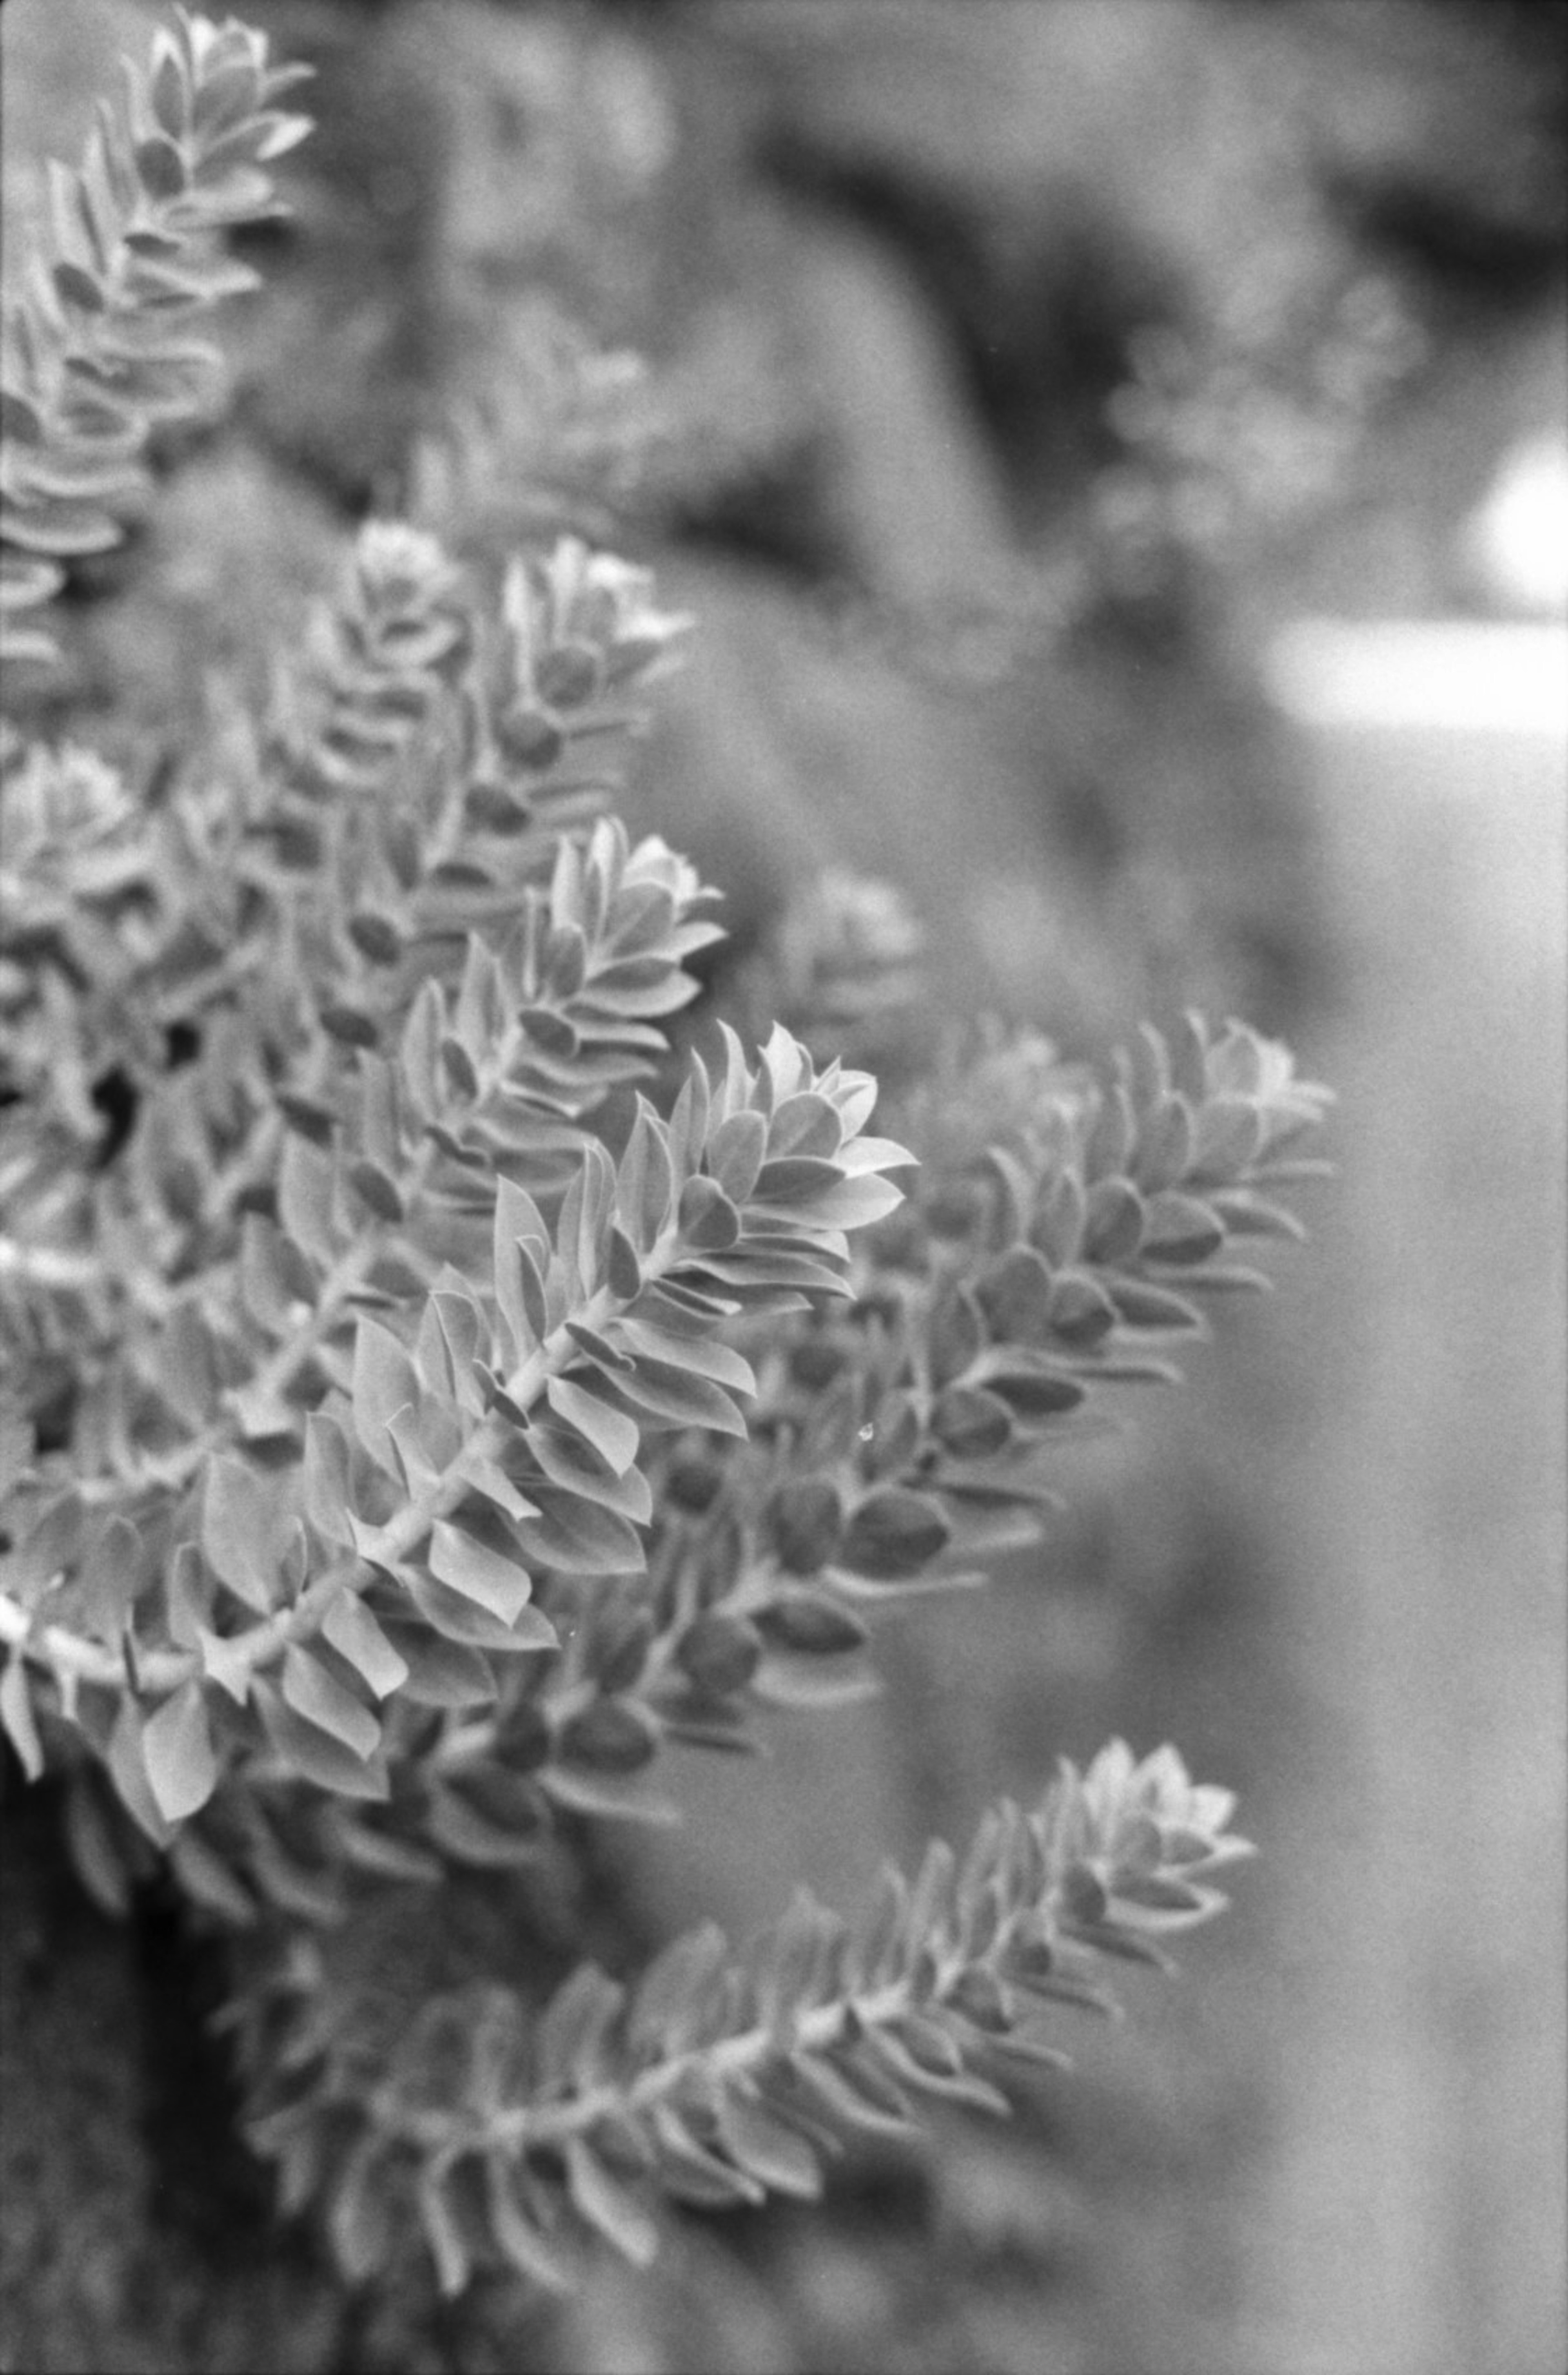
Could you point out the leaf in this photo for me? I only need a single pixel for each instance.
(497, 1583)
(488, 1478)
(359, 2218)
(519, 1291)
(720, 1652)
(75, 285)
(1144, 1304)
(776, 2155)
(305, 1196)
(1015, 1295)
(808, 1622)
(160, 167)
(54, 1543)
(607, 2206)
(971, 1422)
(610, 1797)
(960, 2086)
(205, 1877)
(691, 1344)
(1033, 1390)
(444, 2233)
(613, 1433)
(177, 1751)
(581, 1538)
(16, 1716)
(1082, 1314)
(1165, 1144)
(645, 1179)
(661, 1391)
(328, 1493)
(312, 1754)
(895, 1534)
(791, 1681)
(851, 2096)
(375, 936)
(624, 1270)
(735, 1152)
(610, 1736)
(519, 2238)
(688, 2172)
(706, 1219)
(1245, 1216)
(385, 1382)
(851, 1204)
(239, 1532)
(510, 1830)
(619, 1645)
(320, 1699)
(802, 1520)
(356, 1635)
(274, 1276)
(127, 1770)
(377, 1188)
(574, 2038)
(101, 1847)
(229, 1663)
(1179, 1229)
(441, 1673)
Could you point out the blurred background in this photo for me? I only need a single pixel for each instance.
(1116, 455)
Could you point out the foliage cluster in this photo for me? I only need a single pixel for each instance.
(436, 1386)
